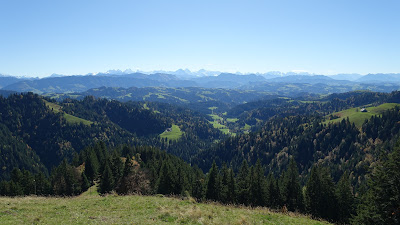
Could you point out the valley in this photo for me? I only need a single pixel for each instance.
(229, 146)
(200, 112)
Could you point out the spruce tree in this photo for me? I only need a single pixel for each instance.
(117, 166)
(224, 189)
(212, 191)
(106, 180)
(329, 209)
(313, 193)
(85, 182)
(320, 194)
(128, 167)
(232, 195)
(292, 192)
(42, 184)
(345, 199)
(166, 182)
(273, 195)
(15, 189)
(182, 181)
(91, 165)
(243, 184)
(258, 185)
(4, 188)
(198, 184)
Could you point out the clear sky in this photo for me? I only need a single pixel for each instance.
(38, 38)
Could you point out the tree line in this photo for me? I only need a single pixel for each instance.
(147, 170)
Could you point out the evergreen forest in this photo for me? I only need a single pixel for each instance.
(314, 154)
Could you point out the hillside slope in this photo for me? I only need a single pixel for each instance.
(92, 209)
(358, 117)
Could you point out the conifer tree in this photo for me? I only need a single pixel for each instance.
(107, 180)
(243, 184)
(273, 195)
(212, 191)
(166, 183)
(345, 199)
(15, 189)
(232, 195)
(91, 165)
(182, 181)
(224, 189)
(198, 184)
(27, 183)
(329, 209)
(292, 193)
(65, 180)
(4, 188)
(85, 182)
(381, 203)
(258, 184)
(117, 166)
(313, 193)
(42, 184)
(128, 167)
(320, 194)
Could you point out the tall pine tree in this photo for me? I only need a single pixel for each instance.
(345, 199)
(106, 179)
(292, 193)
(243, 184)
(213, 183)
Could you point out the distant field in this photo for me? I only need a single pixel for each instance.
(73, 119)
(94, 209)
(232, 120)
(355, 115)
(56, 108)
(216, 117)
(246, 127)
(217, 124)
(174, 134)
(70, 118)
(145, 106)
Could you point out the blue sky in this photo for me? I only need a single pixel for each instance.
(38, 38)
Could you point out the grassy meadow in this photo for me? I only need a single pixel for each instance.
(174, 134)
(69, 118)
(355, 115)
(90, 208)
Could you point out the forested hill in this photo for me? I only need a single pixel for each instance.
(304, 149)
(181, 95)
(37, 132)
(339, 146)
(132, 118)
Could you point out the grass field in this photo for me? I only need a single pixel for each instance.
(216, 117)
(73, 119)
(69, 118)
(357, 117)
(246, 127)
(56, 108)
(217, 124)
(93, 209)
(232, 120)
(174, 134)
(212, 109)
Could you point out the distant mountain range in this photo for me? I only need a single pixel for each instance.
(202, 78)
